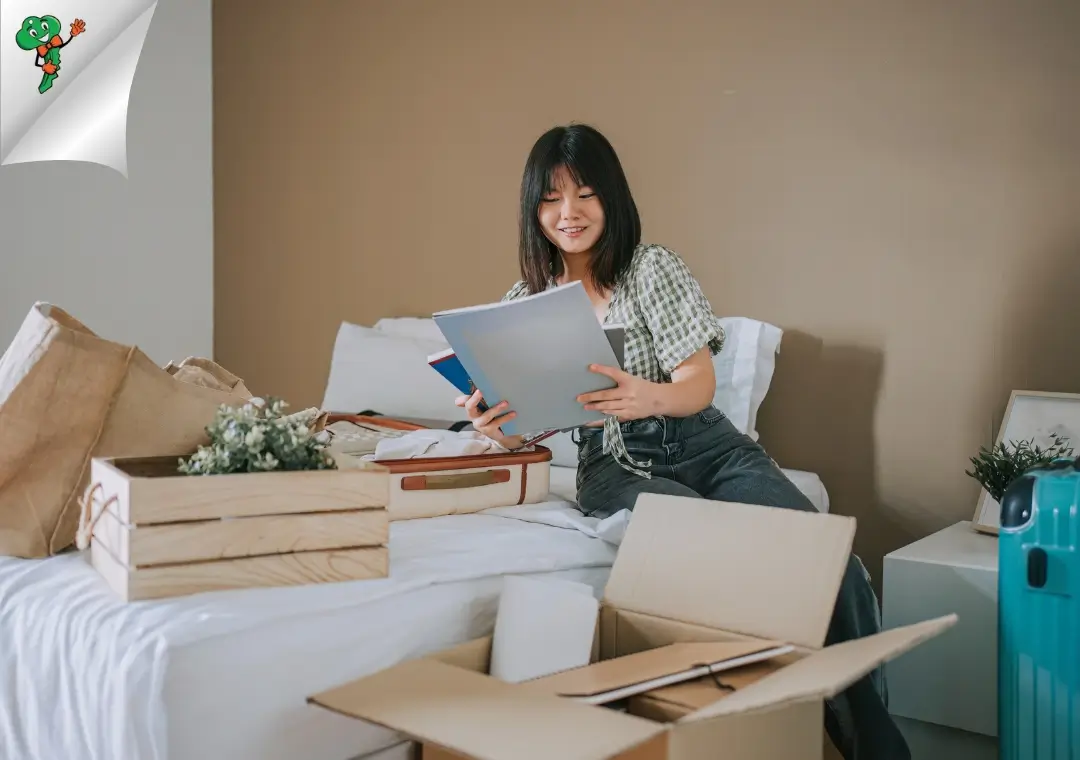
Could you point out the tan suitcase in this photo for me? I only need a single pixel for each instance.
(437, 486)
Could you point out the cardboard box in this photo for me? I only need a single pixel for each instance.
(672, 703)
(688, 570)
(155, 532)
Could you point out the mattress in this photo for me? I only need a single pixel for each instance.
(563, 484)
(241, 695)
(226, 674)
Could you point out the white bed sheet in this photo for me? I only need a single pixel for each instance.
(83, 675)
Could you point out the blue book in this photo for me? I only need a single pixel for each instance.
(533, 352)
(449, 366)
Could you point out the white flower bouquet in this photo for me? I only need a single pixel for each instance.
(259, 437)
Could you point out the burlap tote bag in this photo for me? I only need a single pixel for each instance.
(67, 395)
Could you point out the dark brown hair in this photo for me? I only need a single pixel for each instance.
(591, 161)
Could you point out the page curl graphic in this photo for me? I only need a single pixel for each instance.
(67, 100)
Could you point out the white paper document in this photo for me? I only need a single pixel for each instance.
(543, 626)
(534, 352)
(66, 69)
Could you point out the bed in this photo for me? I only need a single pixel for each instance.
(225, 674)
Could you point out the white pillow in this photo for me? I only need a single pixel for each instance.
(744, 370)
(388, 373)
(411, 327)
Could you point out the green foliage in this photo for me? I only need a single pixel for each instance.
(996, 468)
(258, 437)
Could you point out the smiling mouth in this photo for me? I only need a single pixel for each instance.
(571, 230)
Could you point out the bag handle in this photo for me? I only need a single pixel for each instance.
(86, 521)
(454, 481)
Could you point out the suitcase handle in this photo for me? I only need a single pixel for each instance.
(456, 480)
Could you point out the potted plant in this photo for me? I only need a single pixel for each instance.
(997, 467)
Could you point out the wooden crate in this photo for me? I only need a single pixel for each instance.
(158, 533)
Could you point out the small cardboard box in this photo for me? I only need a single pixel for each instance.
(157, 533)
(688, 570)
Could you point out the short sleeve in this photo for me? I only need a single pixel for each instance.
(676, 311)
(520, 289)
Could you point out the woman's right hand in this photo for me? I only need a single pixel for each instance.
(489, 423)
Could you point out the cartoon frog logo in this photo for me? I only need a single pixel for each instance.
(42, 35)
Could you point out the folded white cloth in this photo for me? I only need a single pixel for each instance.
(437, 443)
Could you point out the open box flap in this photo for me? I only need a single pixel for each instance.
(484, 718)
(766, 572)
(641, 667)
(825, 673)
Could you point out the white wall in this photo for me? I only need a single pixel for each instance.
(130, 258)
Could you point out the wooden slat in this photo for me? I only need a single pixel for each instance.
(150, 491)
(240, 537)
(293, 569)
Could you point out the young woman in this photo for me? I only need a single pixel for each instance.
(662, 434)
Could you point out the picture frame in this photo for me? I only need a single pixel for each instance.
(1030, 414)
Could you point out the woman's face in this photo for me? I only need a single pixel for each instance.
(571, 216)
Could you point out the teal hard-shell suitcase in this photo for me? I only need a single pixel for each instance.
(1039, 616)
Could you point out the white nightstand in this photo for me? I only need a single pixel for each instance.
(951, 680)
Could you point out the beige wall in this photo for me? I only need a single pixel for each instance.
(897, 185)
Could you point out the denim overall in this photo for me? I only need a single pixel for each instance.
(704, 455)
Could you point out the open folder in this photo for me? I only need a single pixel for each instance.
(534, 353)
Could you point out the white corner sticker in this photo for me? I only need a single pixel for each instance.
(65, 78)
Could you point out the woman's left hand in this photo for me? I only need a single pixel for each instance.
(634, 398)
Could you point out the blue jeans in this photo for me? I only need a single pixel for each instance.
(704, 455)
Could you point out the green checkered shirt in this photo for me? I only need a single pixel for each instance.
(667, 319)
